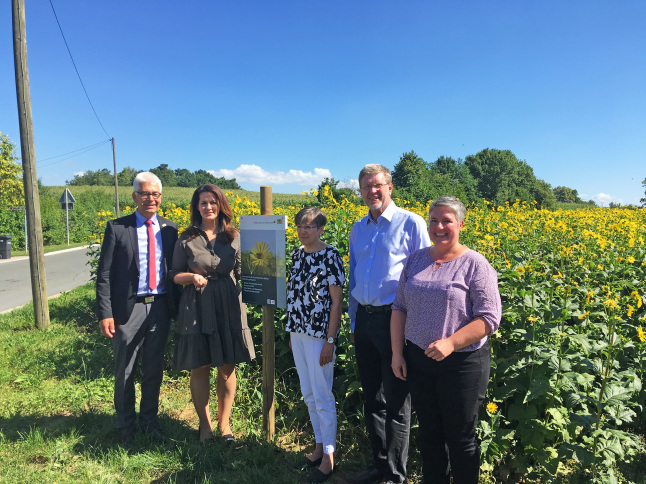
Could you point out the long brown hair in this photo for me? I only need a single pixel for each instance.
(226, 231)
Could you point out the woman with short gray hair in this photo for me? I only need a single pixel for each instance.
(314, 305)
(447, 304)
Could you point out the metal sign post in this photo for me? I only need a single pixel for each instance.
(67, 202)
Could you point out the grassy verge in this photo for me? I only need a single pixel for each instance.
(57, 417)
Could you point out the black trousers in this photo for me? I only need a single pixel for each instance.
(143, 338)
(446, 396)
(387, 400)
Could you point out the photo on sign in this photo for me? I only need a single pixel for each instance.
(259, 258)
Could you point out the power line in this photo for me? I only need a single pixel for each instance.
(77, 71)
(77, 153)
(80, 151)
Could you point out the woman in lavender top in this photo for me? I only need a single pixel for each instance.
(447, 304)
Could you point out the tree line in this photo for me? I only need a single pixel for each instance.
(497, 176)
(181, 177)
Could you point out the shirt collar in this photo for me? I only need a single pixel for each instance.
(387, 214)
(141, 220)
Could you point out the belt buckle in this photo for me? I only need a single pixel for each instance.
(369, 309)
(149, 299)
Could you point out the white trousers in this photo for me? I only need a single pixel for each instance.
(316, 386)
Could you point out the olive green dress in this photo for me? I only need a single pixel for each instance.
(212, 321)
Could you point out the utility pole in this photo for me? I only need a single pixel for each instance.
(116, 184)
(30, 180)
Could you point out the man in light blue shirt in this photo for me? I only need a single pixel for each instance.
(379, 245)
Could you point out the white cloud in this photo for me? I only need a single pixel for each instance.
(354, 184)
(257, 175)
(79, 173)
(605, 199)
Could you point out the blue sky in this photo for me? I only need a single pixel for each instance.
(285, 93)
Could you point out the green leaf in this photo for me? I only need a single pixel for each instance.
(538, 387)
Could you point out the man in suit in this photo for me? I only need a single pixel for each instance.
(135, 303)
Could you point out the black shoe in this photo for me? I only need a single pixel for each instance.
(155, 432)
(305, 463)
(370, 476)
(127, 434)
(229, 439)
(318, 476)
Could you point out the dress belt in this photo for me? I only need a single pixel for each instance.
(376, 309)
(149, 298)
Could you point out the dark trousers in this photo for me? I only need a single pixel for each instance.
(446, 396)
(387, 401)
(142, 337)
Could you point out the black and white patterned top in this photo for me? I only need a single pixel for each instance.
(308, 290)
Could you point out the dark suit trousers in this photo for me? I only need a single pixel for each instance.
(387, 401)
(143, 338)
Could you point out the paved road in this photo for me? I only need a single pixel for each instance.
(66, 269)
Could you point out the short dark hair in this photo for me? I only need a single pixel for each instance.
(313, 214)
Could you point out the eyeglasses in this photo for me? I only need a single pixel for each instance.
(306, 227)
(376, 186)
(153, 195)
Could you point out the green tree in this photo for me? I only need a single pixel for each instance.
(409, 171)
(544, 195)
(566, 195)
(166, 175)
(462, 183)
(185, 178)
(501, 177)
(102, 177)
(11, 185)
(643, 200)
(126, 176)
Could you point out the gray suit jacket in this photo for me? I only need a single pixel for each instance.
(117, 277)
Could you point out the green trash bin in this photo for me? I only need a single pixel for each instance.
(5, 246)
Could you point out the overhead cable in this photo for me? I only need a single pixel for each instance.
(77, 71)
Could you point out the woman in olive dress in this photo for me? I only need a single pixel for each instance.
(212, 325)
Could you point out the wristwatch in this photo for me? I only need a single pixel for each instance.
(331, 340)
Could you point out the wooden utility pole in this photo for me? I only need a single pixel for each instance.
(268, 344)
(30, 180)
(116, 184)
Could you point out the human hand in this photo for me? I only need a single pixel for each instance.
(107, 327)
(199, 281)
(327, 353)
(440, 349)
(399, 366)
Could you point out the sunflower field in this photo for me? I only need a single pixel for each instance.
(565, 400)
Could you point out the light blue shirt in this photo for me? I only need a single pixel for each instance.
(378, 251)
(142, 242)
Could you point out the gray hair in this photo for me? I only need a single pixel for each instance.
(145, 177)
(375, 169)
(453, 203)
(313, 214)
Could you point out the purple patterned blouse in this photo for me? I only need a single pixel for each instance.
(439, 302)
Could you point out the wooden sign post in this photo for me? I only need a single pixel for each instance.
(268, 344)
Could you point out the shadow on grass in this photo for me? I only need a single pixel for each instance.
(92, 438)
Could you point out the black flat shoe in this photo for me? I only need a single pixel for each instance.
(318, 476)
(305, 463)
(369, 476)
(229, 438)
